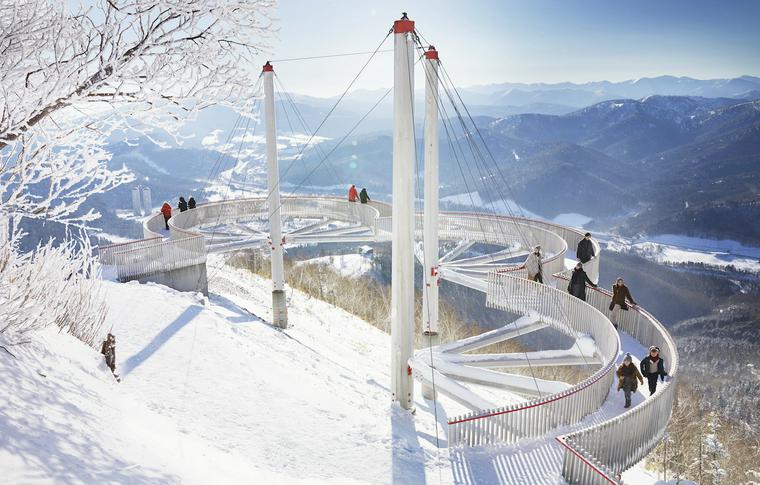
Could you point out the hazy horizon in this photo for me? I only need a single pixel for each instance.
(520, 42)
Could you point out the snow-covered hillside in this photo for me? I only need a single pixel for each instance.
(212, 393)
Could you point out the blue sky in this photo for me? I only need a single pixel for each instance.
(491, 41)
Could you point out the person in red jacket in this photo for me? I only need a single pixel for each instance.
(166, 210)
(353, 195)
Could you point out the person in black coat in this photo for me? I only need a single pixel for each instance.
(585, 251)
(182, 204)
(191, 203)
(577, 285)
(652, 366)
(108, 349)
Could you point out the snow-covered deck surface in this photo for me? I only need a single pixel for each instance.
(213, 394)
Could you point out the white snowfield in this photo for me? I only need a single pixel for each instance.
(350, 265)
(211, 393)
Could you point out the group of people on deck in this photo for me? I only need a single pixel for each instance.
(652, 366)
(354, 196)
(183, 205)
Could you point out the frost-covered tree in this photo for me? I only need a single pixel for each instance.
(72, 76)
(713, 452)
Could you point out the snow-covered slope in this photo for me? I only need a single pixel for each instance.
(63, 419)
(211, 393)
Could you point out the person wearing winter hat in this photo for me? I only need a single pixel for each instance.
(653, 366)
(629, 378)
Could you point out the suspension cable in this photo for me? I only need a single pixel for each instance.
(474, 148)
(299, 117)
(330, 112)
(446, 121)
(326, 56)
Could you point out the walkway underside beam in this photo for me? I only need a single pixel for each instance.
(502, 255)
(458, 249)
(473, 282)
(310, 227)
(338, 231)
(318, 238)
(480, 269)
(523, 325)
(523, 359)
(248, 230)
(451, 388)
(511, 382)
(234, 246)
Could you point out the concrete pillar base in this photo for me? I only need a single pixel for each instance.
(279, 309)
(430, 339)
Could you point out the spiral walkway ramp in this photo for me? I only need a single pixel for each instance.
(577, 427)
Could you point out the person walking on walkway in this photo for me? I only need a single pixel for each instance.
(620, 294)
(652, 367)
(191, 203)
(166, 210)
(629, 378)
(577, 285)
(364, 196)
(585, 251)
(182, 206)
(352, 194)
(534, 266)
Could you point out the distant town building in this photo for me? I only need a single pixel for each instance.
(147, 203)
(136, 204)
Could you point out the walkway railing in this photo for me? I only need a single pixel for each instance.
(601, 453)
(593, 455)
(539, 416)
(150, 256)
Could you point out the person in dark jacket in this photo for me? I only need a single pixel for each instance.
(652, 366)
(585, 251)
(629, 378)
(364, 196)
(108, 349)
(182, 206)
(620, 294)
(577, 285)
(166, 210)
(191, 203)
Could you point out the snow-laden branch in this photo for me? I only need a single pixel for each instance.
(54, 284)
(71, 78)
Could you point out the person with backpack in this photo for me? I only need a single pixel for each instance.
(653, 366)
(364, 196)
(352, 194)
(585, 250)
(534, 266)
(577, 285)
(182, 206)
(629, 378)
(166, 210)
(191, 203)
(620, 294)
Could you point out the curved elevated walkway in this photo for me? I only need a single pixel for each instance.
(485, 253)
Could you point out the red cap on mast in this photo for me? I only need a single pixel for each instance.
(404, 25)
(431, 53)
(268, 67)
